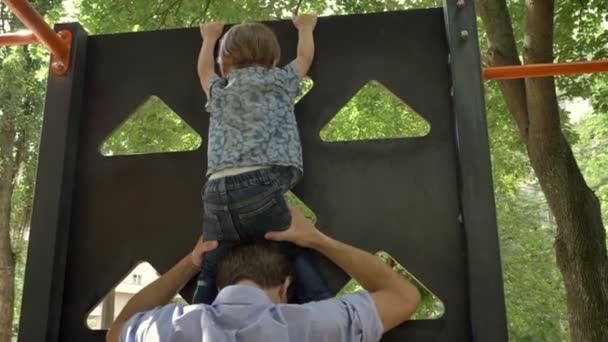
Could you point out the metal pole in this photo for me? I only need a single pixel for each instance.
(544, 70)
(18, 39)
(58, 43)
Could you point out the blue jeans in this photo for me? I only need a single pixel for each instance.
(245, 207)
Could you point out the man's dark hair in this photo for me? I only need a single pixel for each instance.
(260, 261)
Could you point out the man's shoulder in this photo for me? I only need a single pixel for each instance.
(343, 307)
(346, 318)
(164, 321)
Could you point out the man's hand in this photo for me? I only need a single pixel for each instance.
(305, 21)
(301, 231)
(201, 248)
(212, 30)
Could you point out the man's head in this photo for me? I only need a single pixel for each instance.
(260, 263)
(246, 45)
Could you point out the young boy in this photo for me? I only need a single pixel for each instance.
(254, 151)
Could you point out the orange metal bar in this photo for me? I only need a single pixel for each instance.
(544, 70)
(57, 43)
(18, 38)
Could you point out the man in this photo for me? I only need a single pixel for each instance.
(253, 281)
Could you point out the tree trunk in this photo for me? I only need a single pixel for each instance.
(7, 257)
(580, 244)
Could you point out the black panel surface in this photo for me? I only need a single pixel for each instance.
(399, 195)
(52, 211)
(477, 197)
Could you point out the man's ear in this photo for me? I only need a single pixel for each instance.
(285, 286)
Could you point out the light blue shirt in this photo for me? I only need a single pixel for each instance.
(246, 314)
(252, 120)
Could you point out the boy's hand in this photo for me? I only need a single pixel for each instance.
(305, 21)
(212, 30)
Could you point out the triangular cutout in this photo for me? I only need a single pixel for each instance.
(306, 83)
(152, 128)
(374, 113)
(431, 307)
(114, 301)
(296, 202)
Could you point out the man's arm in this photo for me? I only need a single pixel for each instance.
(162, 290)
(395, 298)
(210, 33)
(305, 23)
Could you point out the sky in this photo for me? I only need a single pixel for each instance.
(577, 109)
(71, 13)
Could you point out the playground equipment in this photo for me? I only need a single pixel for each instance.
(59, 43)
(427, 201)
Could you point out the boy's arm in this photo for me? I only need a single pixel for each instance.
(210, 33)
(305, 23)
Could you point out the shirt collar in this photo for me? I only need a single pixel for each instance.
(242, 294)
(248, 70)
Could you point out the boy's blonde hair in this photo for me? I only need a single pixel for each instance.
(249, 44)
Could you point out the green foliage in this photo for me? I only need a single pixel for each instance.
(306, 85)
(296, 202)
(581, 33)
(510, 165)
(371, 6)
(21, 99)
(20, 112)
(431, 307)
(535, 295)
(374, 113)
(121, 16)
(592, 152)
(152, 128)
(20, 247)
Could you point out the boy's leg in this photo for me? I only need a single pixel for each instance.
(311, 285)
(217, 225)
(288, 176)
(257, 204)
(206, 288)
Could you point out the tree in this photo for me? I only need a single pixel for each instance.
(592, 149)
(580, 243)
(15, 155)
(21, 95)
